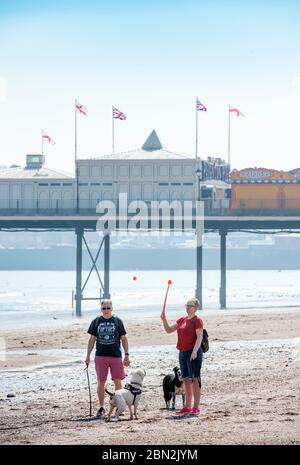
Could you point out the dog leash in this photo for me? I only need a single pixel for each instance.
(88, 379)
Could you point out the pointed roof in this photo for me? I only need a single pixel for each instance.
(151, 150)
(152, 142)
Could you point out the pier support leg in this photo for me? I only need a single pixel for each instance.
(106, 294)
(78, 295)
(223, 233)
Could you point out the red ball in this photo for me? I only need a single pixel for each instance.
(169, 282)
(134, 278)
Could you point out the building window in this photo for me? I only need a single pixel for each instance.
(175, 184)
(188, 184)
(163, 183)
(206, 193)
(95, 183)
(107, 184)
(83, 184)
(67, 184)
(43, 184)
(55, 184)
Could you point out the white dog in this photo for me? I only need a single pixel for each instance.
(128, 396)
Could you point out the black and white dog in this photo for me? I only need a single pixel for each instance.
(172, 387)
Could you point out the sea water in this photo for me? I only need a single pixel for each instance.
(37, 297)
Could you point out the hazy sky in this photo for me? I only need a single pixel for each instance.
(151, 59)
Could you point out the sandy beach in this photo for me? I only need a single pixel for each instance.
(250, 378)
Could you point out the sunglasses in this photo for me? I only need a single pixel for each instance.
(106, 308)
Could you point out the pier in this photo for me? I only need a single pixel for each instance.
(222, 221)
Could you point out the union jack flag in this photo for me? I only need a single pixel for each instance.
(118, 114)
(200, 106)
(236, 111)
(81, 108)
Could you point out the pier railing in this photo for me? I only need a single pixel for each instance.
(67, 207)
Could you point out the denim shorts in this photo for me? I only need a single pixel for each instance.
(190, 369)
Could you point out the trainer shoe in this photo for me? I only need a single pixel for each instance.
(184, 410)
(101, 412)
(195, 410)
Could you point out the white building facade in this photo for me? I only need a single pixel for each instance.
(35, 187)
(150, 173)
(147, 174)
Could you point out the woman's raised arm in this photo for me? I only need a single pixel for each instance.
(169, 329)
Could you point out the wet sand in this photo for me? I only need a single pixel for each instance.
(249, 395)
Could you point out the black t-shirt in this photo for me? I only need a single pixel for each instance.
(108, 335)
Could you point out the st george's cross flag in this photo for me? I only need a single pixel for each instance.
(236, 111)
(48, 139)
(82, 110)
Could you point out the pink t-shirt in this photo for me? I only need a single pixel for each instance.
(186, 332)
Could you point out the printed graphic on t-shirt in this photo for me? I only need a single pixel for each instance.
(106, 333)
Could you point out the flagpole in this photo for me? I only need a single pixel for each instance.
(76, 169)
(199, 245)
(228, 150)
(42, 141)
(196, 129)
(75, 132)
(113, 130)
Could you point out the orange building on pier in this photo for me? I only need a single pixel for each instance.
(265, 188)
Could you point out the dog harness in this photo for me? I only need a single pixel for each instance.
(134, 391)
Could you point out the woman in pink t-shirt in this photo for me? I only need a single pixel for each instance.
(189, 337)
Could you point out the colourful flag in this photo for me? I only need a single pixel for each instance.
(48, 139)
(118, 114)
(81, 108)
(235, 110)
(200, 106)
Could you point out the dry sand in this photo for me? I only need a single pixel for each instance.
(250, 389)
